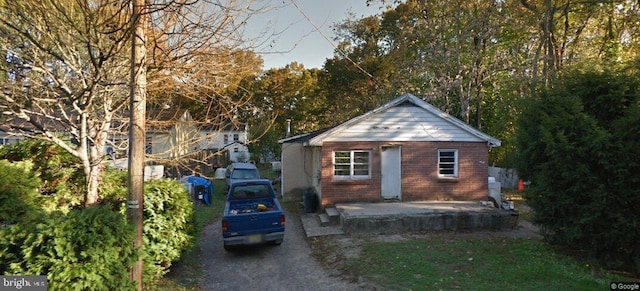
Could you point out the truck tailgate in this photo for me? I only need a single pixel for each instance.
(257, 216)
(248, 223)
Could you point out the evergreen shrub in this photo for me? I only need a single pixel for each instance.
(19, 197)
(84, 249)
(579, 145)
(62, 179)
(169, 220)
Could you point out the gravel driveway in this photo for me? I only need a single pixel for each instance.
(285, 267)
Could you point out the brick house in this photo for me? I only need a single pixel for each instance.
(405, 150)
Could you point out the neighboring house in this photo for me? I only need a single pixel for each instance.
(171, 133)
(13, 130)
(6, 136)
(232, 139)
(238, 152)
(405, 150)
(176, 141)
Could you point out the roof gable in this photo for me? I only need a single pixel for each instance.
(164, 119)
(406, 118)
(19, 126)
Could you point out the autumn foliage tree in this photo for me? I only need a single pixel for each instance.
(65, 67)
(276, 95)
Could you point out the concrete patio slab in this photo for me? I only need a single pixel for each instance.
(394, 217)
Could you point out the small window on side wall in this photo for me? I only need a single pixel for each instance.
(448, 163)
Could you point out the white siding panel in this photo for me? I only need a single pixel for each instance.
(403, 123)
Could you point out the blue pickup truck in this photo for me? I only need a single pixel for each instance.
(252, 214)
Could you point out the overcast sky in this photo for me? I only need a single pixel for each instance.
(300, 41)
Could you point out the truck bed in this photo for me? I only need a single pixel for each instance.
(251, 206)
(252, 215)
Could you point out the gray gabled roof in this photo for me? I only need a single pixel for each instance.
(301, 138)
(318, 139)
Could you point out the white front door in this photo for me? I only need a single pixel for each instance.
(391, 186)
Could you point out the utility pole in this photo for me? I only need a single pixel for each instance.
(138, 100)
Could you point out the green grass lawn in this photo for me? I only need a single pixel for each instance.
(443, 262)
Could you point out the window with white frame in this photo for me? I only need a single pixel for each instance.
(354, 164)
(448, 163)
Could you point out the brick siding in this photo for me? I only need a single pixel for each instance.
(419, 168)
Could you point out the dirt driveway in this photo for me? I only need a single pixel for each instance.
(289, 266)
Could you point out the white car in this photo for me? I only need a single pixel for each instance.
(240, 171)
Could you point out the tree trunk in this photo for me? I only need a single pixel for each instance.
(93, 181)
(91, 168)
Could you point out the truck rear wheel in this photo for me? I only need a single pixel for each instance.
(276, 242)
(228, 248)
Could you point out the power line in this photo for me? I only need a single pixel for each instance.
(341, 52)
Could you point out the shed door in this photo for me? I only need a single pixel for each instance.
(391, 185)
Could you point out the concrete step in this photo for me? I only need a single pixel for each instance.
(325, 220)
(333, 214)
(312, 227)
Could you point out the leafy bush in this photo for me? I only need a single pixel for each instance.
(168, 215)
(168, 219)
(87, 249)
(62, 179)
(19, 197)
(168, 226)
(579, 144)
(113, 188)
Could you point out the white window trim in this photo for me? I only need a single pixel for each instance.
(455, 163)
(351, 175)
